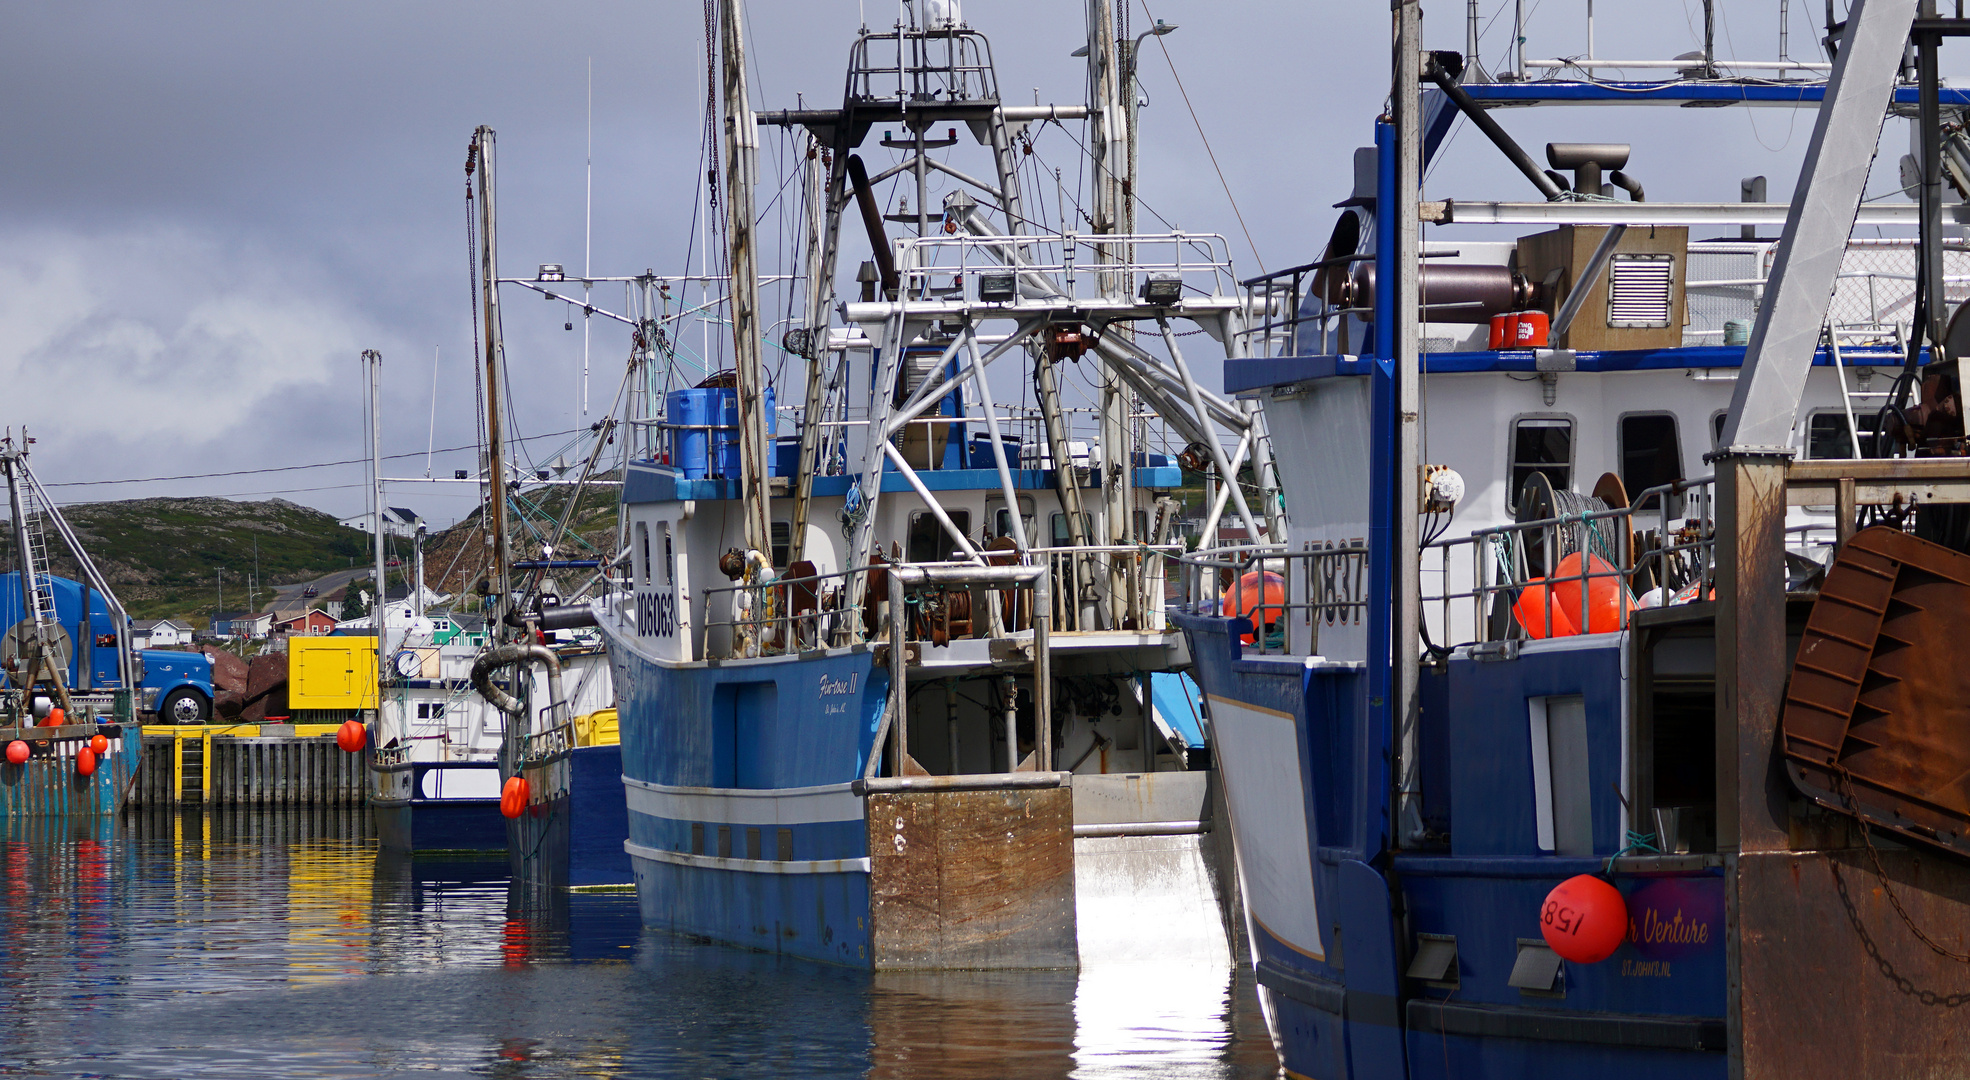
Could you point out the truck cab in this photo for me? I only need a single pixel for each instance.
(177, 686)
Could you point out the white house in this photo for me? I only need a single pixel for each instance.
(159, 633)
(397, 521)
(247, 625)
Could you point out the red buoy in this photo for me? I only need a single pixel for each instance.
(56, 718)
(100, 744)
(17, 753)
(85, 761)
(1584, 919)
(352, 736)
(513, 797)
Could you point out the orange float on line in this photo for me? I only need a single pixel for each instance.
(85, 761)
(18, 752)
(352, 736)
(1584, 919)
(56, 718)
(513, 796)
(100, 744)
(1259, 596)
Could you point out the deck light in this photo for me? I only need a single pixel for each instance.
(550, 272)
(997, 286)
(1162, 290)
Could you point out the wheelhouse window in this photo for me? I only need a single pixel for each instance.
(928, 540)
(1063, 536)
(782, 542)
(1000, 517)
(670, 557)
(1829, 436)
(1541, 444)
(1650, 453)
(642, 567)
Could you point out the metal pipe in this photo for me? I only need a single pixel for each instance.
(899, 694)
(1217, 451)
(930, 502)
(1020, 541)
(968, 574)
(1043, 667)
(510, 654)
(865, 198)
(1435, 71)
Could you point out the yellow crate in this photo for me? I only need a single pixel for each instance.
(331, 673)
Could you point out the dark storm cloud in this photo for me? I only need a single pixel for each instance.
(209, 209)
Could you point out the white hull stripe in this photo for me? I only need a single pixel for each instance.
(750, 866)
(742, 806)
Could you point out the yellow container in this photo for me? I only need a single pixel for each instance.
(331, 673)
(599, 728)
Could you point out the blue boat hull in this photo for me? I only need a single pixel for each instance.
(1322, 884)
(742, 824)
(423, 824)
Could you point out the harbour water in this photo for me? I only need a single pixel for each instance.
(280, 944)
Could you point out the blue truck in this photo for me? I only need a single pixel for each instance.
(177, 686)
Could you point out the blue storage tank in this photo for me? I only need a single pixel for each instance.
(705, 442)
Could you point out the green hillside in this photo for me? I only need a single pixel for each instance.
(163, 556)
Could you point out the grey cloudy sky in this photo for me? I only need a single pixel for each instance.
(207, 210)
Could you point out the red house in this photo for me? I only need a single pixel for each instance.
(314, 623)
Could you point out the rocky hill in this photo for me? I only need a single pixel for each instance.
(163, 556)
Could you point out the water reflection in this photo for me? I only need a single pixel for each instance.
(280, 944)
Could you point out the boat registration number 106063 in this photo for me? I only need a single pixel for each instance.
(656, 614)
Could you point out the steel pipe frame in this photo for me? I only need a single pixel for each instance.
(1598, 212)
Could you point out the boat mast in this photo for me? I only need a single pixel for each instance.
(483, 141)
(373, 371)
(1407, 556)
(741, 160)
(38, 648)
(1108, 144)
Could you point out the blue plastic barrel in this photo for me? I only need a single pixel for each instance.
(690, 444)
(725, 440)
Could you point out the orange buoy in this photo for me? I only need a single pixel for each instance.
(1534, 602)
(85, 761)
(56, 718)
(352, 736)
(18, 752)
(1259, 596)
(1608, 600)
(513, 797)
(100, 744)
(1584, 919)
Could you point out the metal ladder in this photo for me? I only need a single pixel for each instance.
(1833, 334)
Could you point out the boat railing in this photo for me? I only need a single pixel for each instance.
(1290, 597)
(1874, 291)
(1580, 571)
(1162, 269)
(922, 69)
(1584, 570)
(1093, 587)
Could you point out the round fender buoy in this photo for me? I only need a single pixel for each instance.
(1584, 919)
(17, 752)
(352, 736)
(85, 761)
(513, 797)
(56, 718)
(100, 744)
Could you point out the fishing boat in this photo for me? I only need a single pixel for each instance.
(896, 685)
(1592, 715)
(69, 740)
(446, 726)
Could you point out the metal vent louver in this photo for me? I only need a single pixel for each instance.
(1639, 288)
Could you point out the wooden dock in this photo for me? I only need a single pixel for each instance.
(247, 765)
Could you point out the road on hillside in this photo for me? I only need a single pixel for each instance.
(327, 583)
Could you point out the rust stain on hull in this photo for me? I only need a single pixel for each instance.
(972, 879)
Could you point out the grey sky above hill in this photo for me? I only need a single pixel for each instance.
(208, 209)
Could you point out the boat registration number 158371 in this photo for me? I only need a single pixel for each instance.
(656, 614)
